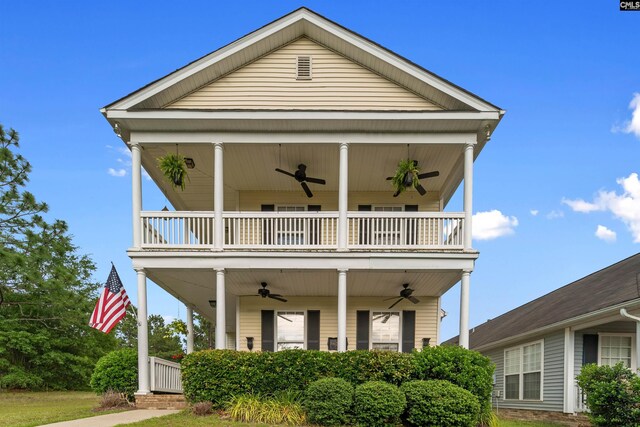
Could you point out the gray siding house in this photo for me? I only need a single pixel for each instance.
(540, 347)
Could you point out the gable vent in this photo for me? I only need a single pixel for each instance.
(304, 68)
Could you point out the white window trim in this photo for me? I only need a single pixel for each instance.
(304, 327)
(385, 236)
(521, 374)
(634, 362)
(385, 310)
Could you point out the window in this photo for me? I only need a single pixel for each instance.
(523, 372)
(290, 231)
(290, 329)
(615, 348)
(385, 330)
(386, 231)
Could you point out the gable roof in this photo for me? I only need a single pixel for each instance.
(299, 23)
(611, 286)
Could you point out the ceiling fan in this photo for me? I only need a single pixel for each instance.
(300, 175)
(408, 180)
(404, 294)
(266, 293)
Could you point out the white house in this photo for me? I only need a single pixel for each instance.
(293, 130)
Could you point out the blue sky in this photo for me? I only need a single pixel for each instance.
(559, 167)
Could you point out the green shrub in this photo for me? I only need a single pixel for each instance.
(465, 368)
(613, 394)
(329, 401)
(282, 409)
(360, 366)
(440, 403)
(116, 371)
(378, 403)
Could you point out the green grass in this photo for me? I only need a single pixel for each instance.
(26, 409)
(511, 423)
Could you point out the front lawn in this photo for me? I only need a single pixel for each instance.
(511, 423)
(26, 409)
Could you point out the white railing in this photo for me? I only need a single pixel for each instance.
(406, 230)
(581, 400)
(304, 230)
(177, 229)
(284, 230)
(165, 376)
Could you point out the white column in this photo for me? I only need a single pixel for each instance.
(468, 194)
(637, 346)
(569, 371)
(464, 309)
(218, 196)
(136, 192)
(189, 330)
(143, 334)
(221, 327)
(342, 310)
(343, 191)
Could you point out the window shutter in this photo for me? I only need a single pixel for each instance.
(411, 208)
(313, 329)
(408, 330)
(267, 233)
(362, 330)
(412, 226)
(363, 230)
(589, 349)
(268, 330)
(268, 208)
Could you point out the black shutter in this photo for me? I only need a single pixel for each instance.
(408, 330)
(362, 330)
(267, 234)
(268, 330)
(363, 231)
(313, 329)
(411, 226)
(314, 226)
(589, 349)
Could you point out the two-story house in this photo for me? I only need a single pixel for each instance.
(288, 234)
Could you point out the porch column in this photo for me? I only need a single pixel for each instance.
(342, 310)
(343, 190)
(464, 309)
(143, 334)
(221, 327)
(569, 372)
(218, 196)
(637, 344)
(468, 194)
(136, 192)
(189, 330)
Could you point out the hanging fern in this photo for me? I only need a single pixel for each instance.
(174, 169)
(406, 175)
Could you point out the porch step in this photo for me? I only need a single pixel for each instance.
(161, 401)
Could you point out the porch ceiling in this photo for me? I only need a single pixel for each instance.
(197, 286)
(251, 167)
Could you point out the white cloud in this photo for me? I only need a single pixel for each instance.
(493, 224)
(605, 234)
(633, 126)
(579, 205)
(116, 172)
(624, 206)
(168, 318)
(534, 212)
(555, 214)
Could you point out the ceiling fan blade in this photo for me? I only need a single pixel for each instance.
(277, 297)
(316, 180)
(394, 304)
(413, 299)
(389, 178)
(428, 174)
(285, 318)
(379, 317)
(421, 190)
(305, 187)
(389, 299)
(396, 193)
(285, 172)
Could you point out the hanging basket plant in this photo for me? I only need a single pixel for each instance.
(406, 175)
(174, 168)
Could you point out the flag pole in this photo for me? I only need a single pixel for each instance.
(135, 312)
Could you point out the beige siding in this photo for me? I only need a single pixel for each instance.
(250, 312)
(337, 84)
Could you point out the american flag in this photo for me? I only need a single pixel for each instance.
(112, 305)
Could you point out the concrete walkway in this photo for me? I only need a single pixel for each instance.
(111, 420)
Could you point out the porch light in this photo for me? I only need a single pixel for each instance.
(212, 303)
(250, 343)
(189, 162)
(116, 129)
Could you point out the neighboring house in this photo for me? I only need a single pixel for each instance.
(303, 90)
(540, 347)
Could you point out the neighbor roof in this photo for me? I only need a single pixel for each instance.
(608, 287)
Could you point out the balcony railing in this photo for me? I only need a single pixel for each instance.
(165, 376)
(304, 230)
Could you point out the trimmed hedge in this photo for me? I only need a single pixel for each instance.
(217, 375)
(440, 403)
(378, 404)
(329, 402)
(116, 371)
